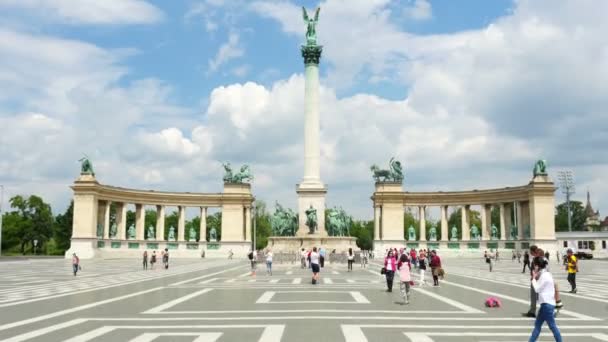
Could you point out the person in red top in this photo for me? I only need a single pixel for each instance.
(413, 257)
(435, 267)
(390, 264)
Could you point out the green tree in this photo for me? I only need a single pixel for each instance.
(364, 232)
(36, 221)
(215, 221)
(578, 216)
(263, 226)
(409, 220)
(171, 220)
(455, 220)
(196, 224)
(149, 220)
(62, 229)
(130, 219)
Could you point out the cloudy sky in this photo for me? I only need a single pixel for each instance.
(467, 94)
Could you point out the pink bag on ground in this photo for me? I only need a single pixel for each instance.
(493, 302)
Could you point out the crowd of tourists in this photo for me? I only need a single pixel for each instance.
(164, 254)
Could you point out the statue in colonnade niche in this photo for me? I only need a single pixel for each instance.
(151, 234)
(284, 222)
(540, 168)
(493, 233)
(311, 219)
(237, 177)
(192, 234)
(433, 233)
(474, 232)
(213, 234)
(171, 235)
(513, 234)
(454, 235)
(131, 232)
(411, 234)
(394, 174)
(113, 230)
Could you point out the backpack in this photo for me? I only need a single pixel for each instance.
(493, 302)
(250, 255)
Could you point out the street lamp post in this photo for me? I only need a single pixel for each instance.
(566, 181)
(254, 216)
(35, 245)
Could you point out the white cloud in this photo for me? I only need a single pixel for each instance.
(228, 51)
(241, 70)
(90, 11)
(419, 10)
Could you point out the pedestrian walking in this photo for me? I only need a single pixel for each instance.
(322, 257)
(405, 278)
(488, 257)
(75, 263)
(526, 261)
(230, 254)
(363, 258)
(514, 256)
(153, 259)
(350, 259)
(145, 261)
(519, 257)
(253, 259)
(390, 266)
(496, 256)
(413, 257)
(557, 257)
(422, 266)
(314, 265)
(303, 255)
(571, 269)
(436, 267)
(269, 262)
(543, 284)
(166, 258)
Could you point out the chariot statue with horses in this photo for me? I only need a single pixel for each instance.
(338, 222)
(284, 222)
(393, 174)
(540, 168)
(242, 176)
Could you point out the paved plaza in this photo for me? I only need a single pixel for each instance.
(219, 300)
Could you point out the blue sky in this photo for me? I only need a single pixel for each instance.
(468, 94)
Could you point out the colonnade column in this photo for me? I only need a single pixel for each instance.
(377, 223)
(519, 220)
(421, 210)
(444, 223)
(181, 223)
(485, 217)
(121, 221)
(160, 222)
(203, 225)
(140, 220)
(247, 224)
(464, 219)
(106, 220)
(503, 234)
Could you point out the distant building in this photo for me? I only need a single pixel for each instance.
(595, 241)
(604, 225)
(592, 220)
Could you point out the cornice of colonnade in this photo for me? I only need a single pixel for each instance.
(90, 186)
(393, 194)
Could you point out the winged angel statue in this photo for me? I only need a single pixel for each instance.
(311, 30)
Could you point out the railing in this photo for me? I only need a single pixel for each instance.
(294, 257)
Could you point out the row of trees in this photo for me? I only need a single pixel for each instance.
(31, 219)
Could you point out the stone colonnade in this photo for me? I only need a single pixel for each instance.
(526, 217)
(92, 228)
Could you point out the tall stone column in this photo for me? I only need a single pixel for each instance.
(247, 236)
(377, 223)
(486, 217)
(181, 223)
(444, 223)
(140, 221)
(508, 221)
(160, 222)
(503, 223)
(519, 217)
(464, 210)
(422, 212)
(311, 191)
(203, 225)
(121, 221)
(106, 220)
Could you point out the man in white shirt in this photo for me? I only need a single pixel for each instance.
(543, 284)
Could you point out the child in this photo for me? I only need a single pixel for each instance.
(404, 268)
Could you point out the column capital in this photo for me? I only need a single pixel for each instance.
(311, 54)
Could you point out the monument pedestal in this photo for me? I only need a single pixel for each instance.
(296, 243)
(311, 196)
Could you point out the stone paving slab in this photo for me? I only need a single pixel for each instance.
(220, 300)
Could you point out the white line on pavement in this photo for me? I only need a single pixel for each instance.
(359, 298)
(297, 281)
(328, 281)
(205, 276)
(449, 301)
(174, 302)
(265, 298)
(518, 300)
